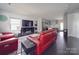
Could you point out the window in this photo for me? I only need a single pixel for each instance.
(15, 25)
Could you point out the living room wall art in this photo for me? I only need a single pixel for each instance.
(3, 18)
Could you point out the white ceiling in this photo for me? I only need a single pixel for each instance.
(43, 10)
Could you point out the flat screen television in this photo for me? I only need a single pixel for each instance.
(27, 23)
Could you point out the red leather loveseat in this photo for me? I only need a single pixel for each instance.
(44, 40)
(8, 43)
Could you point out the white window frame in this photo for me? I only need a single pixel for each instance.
(18, 30)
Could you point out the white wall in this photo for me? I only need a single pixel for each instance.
(4, 25)
(73, 24)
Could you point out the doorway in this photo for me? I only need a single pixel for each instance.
(61, 26)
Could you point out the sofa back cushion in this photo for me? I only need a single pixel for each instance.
(46, 38)
(4, 37)
(6, 33)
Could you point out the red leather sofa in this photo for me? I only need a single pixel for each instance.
(44, 40)
(8, 43)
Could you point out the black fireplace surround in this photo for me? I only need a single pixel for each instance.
(27, 27)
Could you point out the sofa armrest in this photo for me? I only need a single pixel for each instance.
(8, 46)
(33, 39)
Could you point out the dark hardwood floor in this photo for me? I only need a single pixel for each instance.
(63, 46)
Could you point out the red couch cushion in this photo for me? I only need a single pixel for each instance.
(46, 37)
